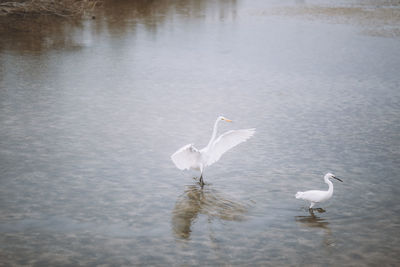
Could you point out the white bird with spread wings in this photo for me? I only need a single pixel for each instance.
(189, 157)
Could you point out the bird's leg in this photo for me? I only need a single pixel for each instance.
(201, 181)
(310, 210)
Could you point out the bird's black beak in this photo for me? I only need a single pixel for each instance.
(337, 178)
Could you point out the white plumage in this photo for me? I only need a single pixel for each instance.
(317, 196)
(189, 157)
(186, 157)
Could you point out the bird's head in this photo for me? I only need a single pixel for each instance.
(330, 175)
(222, 118)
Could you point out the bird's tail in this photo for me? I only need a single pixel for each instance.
(299, 194)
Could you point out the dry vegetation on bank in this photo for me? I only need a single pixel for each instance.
(60, 8)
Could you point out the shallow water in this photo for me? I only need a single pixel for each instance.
(91, 112)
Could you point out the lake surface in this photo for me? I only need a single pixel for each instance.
(91, 111)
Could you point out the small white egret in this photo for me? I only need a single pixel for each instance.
(316, 196)
(189, 157)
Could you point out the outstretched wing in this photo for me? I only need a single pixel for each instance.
(227, 141)
(186, 157)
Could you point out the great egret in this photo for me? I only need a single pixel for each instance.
(316, 196)
(189, 157)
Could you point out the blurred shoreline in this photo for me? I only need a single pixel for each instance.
(35, 8)
(377, 17)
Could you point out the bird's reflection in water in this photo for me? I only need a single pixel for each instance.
(207, 201)
(314, 221)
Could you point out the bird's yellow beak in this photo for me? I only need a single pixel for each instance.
(228, 120)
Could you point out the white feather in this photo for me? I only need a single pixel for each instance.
(312, 195)
(227, 141)
(186, 157)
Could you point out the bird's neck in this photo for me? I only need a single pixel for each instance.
(330, 189)
(214, 134)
